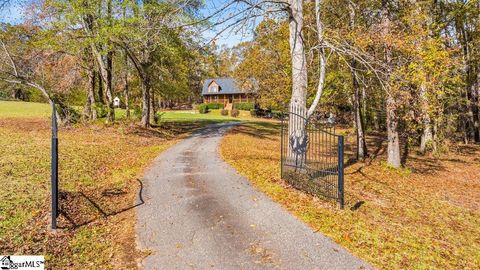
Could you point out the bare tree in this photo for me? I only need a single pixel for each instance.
(103, 62)
(359, 127)
(11, 73)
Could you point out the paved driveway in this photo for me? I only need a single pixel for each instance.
(199, 213)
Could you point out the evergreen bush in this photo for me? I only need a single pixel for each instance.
(203, 108)
(214, 106)
(244, 106)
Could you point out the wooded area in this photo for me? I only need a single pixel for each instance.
(82, 53)
(385, 98)
(408, 67)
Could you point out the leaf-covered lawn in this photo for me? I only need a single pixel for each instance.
(426, 216)
(99, 173)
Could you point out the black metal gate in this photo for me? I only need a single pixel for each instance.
(312, 155)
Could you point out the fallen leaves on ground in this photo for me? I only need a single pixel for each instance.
(100, 168)
(424, 216)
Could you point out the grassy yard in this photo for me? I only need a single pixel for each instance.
(211, 116)
(100, 168)
(194, 115)
(426, 216)
(20, 109)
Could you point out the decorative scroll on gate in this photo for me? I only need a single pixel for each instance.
(312, 155)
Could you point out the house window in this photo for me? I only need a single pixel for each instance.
(213, 88)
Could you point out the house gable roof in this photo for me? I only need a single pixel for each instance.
(227, 86)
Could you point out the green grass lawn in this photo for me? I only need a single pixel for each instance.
(18, 109)
(190, 115)
(213, 115)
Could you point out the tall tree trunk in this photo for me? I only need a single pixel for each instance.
(473, 126)
(101, 93)
(146, 102)
(427, 135)
(90, 110)
(435, 137)
(376, 119)
(90, 106)
(105, 81)
(477, 91)
(153, 108)
(393, 147)
(361, 144)
(364, 108)
(111, 108)
(127, 73)
(297, 51)
(143, 69)
(109, 71)
(297, 130)
(475, 99)
(126, 90)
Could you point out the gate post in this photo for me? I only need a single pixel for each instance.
(340, 172)
(281, 146)
(54, 168)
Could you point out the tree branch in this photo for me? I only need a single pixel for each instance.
(321, 51)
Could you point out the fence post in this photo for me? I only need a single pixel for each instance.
(281, 146)
(340, 172)
(54, 169)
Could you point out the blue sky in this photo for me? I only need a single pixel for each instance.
(12, 13)
(229, 38)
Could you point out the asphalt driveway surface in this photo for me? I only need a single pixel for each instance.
(199, 213)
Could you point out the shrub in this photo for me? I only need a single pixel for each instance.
(214, 106)
(70, 115)
(224, 112)
(277, 114)
(235, 113)
(137, 112)
(253, 112)
(244, 106)
(101, 110)
(203, 108)
(4, 96)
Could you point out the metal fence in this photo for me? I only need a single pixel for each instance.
(312, 155)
